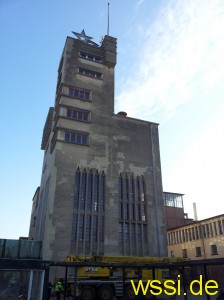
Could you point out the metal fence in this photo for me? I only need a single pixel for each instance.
(29, 278)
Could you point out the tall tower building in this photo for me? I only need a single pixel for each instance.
(101, 188)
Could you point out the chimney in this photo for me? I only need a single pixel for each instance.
(195, 212)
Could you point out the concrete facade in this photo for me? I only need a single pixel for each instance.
(101, 187)
(200, 240)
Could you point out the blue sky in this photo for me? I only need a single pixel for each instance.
(170, 70)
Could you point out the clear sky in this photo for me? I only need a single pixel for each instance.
(170, 70)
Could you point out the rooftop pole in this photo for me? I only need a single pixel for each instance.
(108, 19)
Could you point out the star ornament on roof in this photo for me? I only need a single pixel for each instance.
(83, 37)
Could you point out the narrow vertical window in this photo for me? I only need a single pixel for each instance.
(120, 233)
(184, 252)
(126, 188)
(89, 192)
(120, 188)
(198, 251)
(139, 235)
(102, 192)
(96, 192)
(81, 227)
(121, 210)
(215, 228)
(214, 250)
(220, 227)
(94, 232)
(132, 189)
(88, 227)
(126, 232)
(137, 190)
(101, 228)
(83, 190)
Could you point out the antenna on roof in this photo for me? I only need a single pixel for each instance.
(108, 19)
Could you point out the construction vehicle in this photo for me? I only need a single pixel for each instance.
(105, 283)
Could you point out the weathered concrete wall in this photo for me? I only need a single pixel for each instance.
(117, 145)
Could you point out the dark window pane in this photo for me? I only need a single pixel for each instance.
(120, 233)
(94, 228)
(71, 92)
(67, 136)
(69, 113)
(85, 116)
(101, 229)
(102, 192)
(76, 93)
(83, 190)
(81, 227)
(74, 115)
(84, 139)
(73, 137)
(87, 95)
(81, 94)
(79, 138)
(88, 227)
(89, 196)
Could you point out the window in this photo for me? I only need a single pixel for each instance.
(189, 234)
(88, 227)
(76, 138)
(90, 57)
(89, 191)
(139, 233)
(183, 236)
(126, 211)
(198, 251)
(172, 253)
(126, 232)
(207, 230)
(81, 227)
(94, 232)
(90, 73)
(203, 231)
(184, 251)
(215, 229)
(88, 219)
(101, 229)
(120, 233)
(133, 211)
(77, 114)
(96, 192)
(83, 190)
(121, 210)
(79, 94)
(102, 193)
(220, 227)
(197, 232)
(214, 250)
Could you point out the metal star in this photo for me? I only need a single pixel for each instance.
(83, 37)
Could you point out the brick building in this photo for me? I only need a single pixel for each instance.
(199, 240)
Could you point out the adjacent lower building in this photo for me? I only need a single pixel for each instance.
(174, 210)
(101, 187)
(199, 240)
